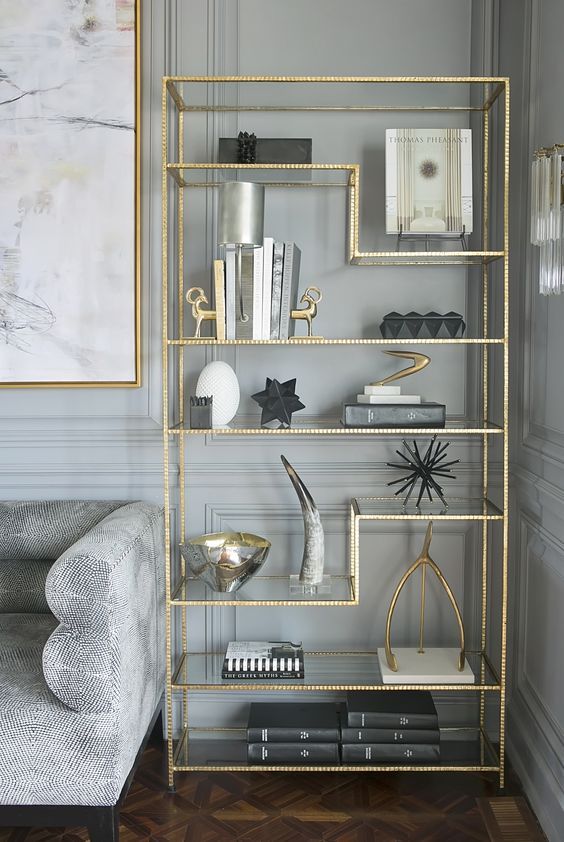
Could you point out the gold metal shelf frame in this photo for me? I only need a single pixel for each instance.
(199, 748)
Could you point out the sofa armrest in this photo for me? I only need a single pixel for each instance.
(107, 591)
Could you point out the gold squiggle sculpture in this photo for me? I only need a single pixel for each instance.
(420, 361)
(422, 561)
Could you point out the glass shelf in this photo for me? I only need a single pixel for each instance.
(392, 508)
(264, 590)
(303, 340)
(323, 671)
(462, 750)
(422, 258)
(250, 426)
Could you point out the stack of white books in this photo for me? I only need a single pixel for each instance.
(269, 284)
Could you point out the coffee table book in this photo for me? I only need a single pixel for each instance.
(293, 754)
(391, 709)
(293, 722)
(390, 753)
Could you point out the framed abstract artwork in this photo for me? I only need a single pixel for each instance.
(69, 215)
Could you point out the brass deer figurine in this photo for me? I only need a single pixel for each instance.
(196, 297)
(311, 298)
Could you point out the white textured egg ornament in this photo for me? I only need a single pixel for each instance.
(218, 380)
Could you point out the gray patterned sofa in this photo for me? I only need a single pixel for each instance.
(82, 657)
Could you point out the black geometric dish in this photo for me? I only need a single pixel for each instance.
(417, 326)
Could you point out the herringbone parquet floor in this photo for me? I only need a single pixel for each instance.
(294, 807)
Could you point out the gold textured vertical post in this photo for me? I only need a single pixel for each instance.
(166, 443)
(503, 676)
(485, 409)
(181, 409)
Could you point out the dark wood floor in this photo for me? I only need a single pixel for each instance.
(294, 807)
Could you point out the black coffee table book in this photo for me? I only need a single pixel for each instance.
(293, 733)
(390, 726)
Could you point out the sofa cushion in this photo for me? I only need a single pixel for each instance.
(39, 529)
(22, 586)
(50, 754)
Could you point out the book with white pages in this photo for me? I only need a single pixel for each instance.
(258, 291)
(268, 257)
(230, 292)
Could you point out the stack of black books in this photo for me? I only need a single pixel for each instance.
(293, 734)
(390, 726)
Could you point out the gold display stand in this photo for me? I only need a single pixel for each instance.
(188, 672)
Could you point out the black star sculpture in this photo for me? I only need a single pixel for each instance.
(278, 401)
(424, 467)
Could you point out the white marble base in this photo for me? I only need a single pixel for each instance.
(380, 399)
(382, 390)
(434, 666)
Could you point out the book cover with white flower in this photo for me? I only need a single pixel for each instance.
(429, 181)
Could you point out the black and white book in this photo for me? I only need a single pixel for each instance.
(244, 329)
(290, 282)
(271, 659)
(391, 709)
(277, 266)
(390, 753)
(394, 415)
(294, 754)
(293, 722)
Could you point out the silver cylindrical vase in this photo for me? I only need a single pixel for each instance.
(241, 213)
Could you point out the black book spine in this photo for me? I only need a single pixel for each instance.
(390, 735)
(262, 675)
(295, 754)
(373, 719)
(387, 753)
(292, 735)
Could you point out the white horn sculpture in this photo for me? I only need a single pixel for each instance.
(311, 572)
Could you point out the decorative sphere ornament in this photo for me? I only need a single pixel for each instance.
(219, 381)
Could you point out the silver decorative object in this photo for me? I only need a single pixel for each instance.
(225, 560)
(241, 221)
(311, 572)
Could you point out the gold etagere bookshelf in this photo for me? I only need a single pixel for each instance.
(223, 749)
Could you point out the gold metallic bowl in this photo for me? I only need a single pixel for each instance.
(225, 560)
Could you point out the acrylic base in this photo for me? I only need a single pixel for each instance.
(433, 666)
(302, 588)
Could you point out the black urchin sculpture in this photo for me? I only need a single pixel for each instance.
(424, 468)
(278, 401)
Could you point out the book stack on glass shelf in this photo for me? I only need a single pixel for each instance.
(390, 726)
(262, 660)
(269, 286)
(293, 734)
(385, 406)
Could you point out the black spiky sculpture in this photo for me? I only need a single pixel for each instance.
(424, 468)
(247, 148)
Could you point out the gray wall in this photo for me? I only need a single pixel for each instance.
(531, 51)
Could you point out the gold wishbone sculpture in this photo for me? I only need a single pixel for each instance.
(420, 361)
(423, 560)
